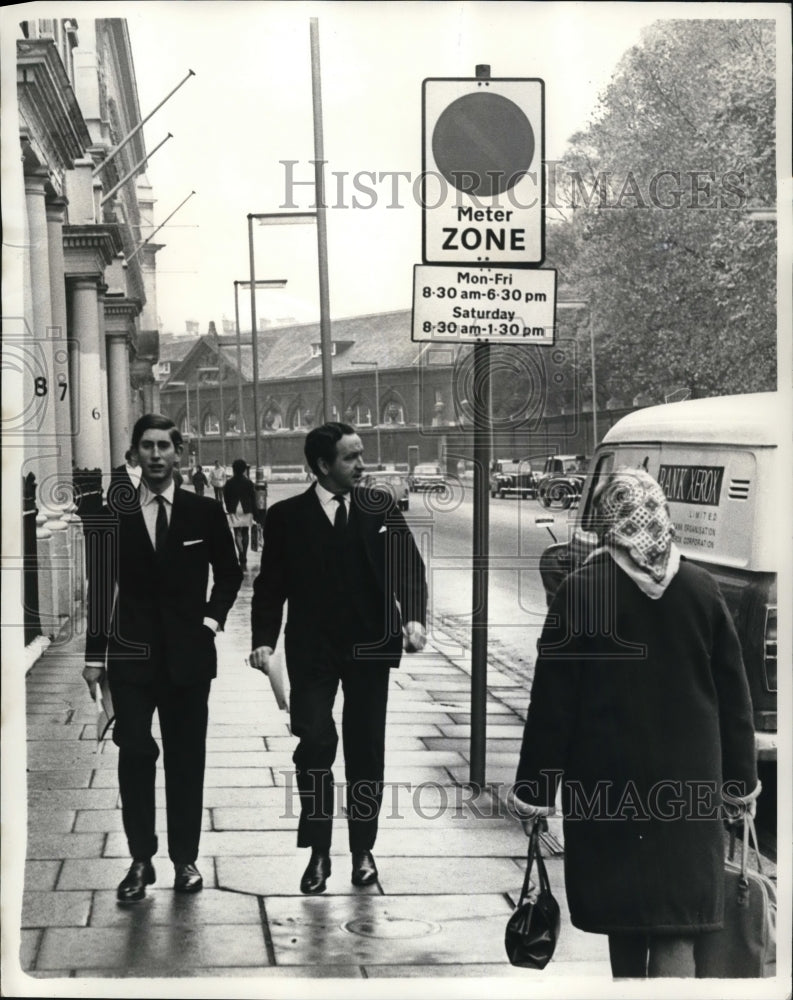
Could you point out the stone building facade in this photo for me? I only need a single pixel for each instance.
(410, 402)
(79, 296)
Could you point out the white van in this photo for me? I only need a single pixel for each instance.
(716, 460)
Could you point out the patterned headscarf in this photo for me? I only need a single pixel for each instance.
(632, 517)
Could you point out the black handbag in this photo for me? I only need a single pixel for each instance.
(533, 929)
(746, 945)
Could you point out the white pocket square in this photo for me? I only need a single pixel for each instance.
(380, 532)
(193, 541)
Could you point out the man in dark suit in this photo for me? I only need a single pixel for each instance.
(239, 496)
(150, 621)
(345, 560)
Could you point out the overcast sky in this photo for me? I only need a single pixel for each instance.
(249, 108)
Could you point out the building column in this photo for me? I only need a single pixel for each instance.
(119, 396)
(63, 390)
(49, 359)
(89, 416)
(101, 291)
(70, 578)
(45, 391)
(151, 396)
(146, 389)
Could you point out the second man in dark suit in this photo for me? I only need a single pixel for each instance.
(346, 562)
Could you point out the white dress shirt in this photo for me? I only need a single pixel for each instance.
(327, 501)
(148, 507)
(134, 472)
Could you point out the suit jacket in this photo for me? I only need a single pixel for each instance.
(122, 490)
(239, 489)
(293, 570)
(146, 611)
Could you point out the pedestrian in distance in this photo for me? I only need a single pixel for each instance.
(641, 706)
(124, 481)
(239, 497)
(217, 479)
(199, 481)
(152, 628)
(131, 468)
(344, 559)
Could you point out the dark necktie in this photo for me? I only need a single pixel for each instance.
(340, 520)
(161, 526)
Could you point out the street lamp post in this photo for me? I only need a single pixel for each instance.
(240, 424)
(580, 304)
(198, 419)
(179, 385)
(221, 371)
(253, 284)
(217, 371)
(376, 366)
(222, 427)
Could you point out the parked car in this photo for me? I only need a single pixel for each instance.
(427, 476)
(511, 478)
(717, 461)
(392, 482)
(561, 480)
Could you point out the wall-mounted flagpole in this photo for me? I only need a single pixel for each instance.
(138, 127)
(149, 238)
(134, 170)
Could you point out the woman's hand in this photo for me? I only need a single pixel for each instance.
(736, 807)
(527, 813)
(93, 675)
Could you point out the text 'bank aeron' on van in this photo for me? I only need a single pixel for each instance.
(717, 461)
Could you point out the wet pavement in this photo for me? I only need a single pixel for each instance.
(450, 860)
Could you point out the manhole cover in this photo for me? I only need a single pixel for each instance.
(390, 927)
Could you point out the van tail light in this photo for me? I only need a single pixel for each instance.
(769, 647)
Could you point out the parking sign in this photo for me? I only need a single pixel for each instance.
(482, 191)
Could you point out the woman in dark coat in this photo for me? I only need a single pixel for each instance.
(239, 496)
(640, 705)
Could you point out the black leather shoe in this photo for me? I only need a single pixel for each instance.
(316, 873)
(364, 870)
(132, 888)
(187, 878)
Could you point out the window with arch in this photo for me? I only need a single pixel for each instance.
(233, 423)
(362, 414)
(211, 424)
(394, 412)
(297, 418)
(272, 419)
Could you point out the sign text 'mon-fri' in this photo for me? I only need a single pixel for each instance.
(483, 305)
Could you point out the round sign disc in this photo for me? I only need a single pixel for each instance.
(483, 144)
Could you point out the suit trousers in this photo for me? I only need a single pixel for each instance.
(313, 692)
(183, 713)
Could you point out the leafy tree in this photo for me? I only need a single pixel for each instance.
(681, 280)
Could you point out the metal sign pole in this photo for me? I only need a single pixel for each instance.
(480, 551)
(481, 557)
(322, 232)
(482, 124)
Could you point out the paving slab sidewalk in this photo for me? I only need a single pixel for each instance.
(450, 859)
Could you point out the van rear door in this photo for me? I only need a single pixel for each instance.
(713, 494)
